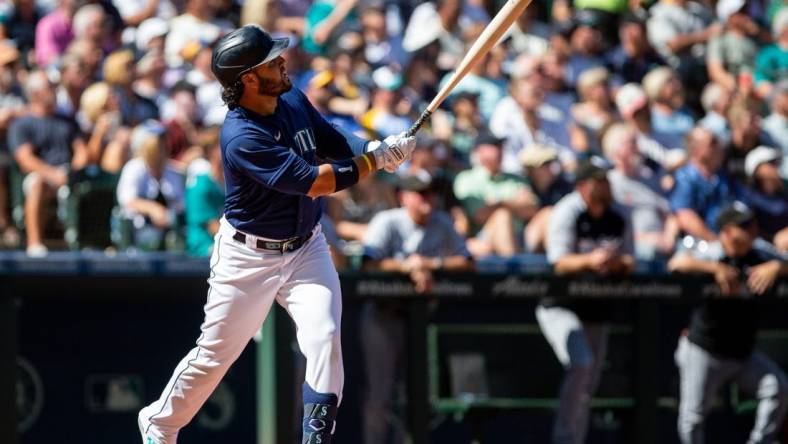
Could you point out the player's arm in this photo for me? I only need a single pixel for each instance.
(279, 168)
(332, 177)
(726, 276)
(763, 276)
(690, 222)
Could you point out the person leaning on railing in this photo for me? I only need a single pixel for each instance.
(719, 346)
(585, 236)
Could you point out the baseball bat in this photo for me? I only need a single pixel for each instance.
(488, 38)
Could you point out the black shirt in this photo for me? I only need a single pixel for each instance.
(572, 230)
(726, 326)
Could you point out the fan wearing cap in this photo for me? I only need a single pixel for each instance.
(548, 183)
(586, 42)
(771, 65)
(658, 147)
(594, 112)
(279, 157)
(666, 93)
(767, 195)
(719, 346)
(415, 240)
(496, 203)
(585, 236)
(150, 191)
(634, 57)
(382, 118)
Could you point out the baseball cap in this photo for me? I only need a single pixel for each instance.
(419, 181)
(630, 98)
(537, 155)
(726, 8)
(487, 138)
(593, 168)
(387, 79)
(591, 77)
(242, 50)
(655, 80)
(758, 156)
(736, 214)
(588, 17)
(150, 29)
(780, 23)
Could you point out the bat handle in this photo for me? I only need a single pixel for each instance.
(423, 118)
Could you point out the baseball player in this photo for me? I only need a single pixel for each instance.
(279, 156)
(586, 235)
(720, 344)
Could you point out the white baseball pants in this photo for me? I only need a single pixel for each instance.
(702, 374)
(244, 282)
(581, 349)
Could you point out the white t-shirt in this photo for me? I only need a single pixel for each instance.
(508, 123)
(136, 182)
(185, 29)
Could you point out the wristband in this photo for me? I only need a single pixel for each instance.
(369, 163)
(345, 174)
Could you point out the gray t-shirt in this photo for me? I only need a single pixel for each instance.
(573, 230)
(642, 204)
(734, 51)
(393, 234)
(51, 137)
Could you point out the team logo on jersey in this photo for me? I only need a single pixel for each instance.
(305, 141)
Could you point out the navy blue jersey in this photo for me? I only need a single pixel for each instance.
(270, 163)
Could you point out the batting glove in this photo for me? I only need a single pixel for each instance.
(393, 151)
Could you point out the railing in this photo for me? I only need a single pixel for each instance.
(146, 283)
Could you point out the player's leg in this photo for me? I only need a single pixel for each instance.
(243, 286)
(597, 338)
(700, 376)
(565, 333)
(764, 379)
(312, 296)
(382, 343)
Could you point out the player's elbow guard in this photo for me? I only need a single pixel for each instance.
(346, 174)
(334, 177)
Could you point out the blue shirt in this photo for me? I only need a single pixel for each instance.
(706, 196)
(270, 163)
(771, 211)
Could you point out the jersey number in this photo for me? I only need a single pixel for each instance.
(305, 140)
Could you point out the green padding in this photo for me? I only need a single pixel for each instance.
(266, 383)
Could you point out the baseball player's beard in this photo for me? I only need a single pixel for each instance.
(271, 89)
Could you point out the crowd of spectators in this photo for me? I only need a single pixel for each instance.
(684, 102)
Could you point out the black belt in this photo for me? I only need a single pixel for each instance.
(280, 247)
